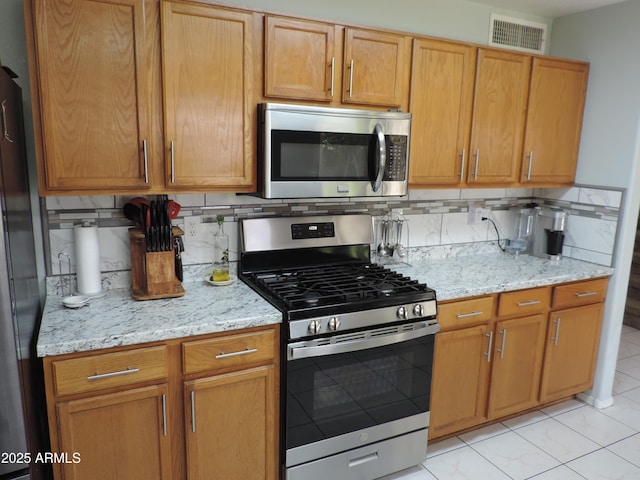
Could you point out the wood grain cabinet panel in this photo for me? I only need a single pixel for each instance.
(207, 64)
(299, 59)
(440, 103)
(499, 109)
(554, 121)
(376, 68)
(117, 435)
(92, 98)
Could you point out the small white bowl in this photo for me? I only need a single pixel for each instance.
(232, 278)
(75, 301)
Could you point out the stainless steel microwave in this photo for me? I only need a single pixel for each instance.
(308, 152)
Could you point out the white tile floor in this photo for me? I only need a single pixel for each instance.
(568, 441)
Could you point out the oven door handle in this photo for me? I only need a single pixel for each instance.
(382, 156)
(308, 349)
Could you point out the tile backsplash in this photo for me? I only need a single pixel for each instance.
(437, 221)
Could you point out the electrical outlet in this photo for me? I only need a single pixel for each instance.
(191, 226)
(476, 214)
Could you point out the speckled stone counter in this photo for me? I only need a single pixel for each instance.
(117, 319)
(473, 275)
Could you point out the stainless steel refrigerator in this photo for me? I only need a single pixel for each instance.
(21, 408)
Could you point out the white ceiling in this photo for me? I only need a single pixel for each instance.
(548, 8)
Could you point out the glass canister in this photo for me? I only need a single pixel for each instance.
(220, 271)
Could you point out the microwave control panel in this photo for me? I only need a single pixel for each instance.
(397, 158)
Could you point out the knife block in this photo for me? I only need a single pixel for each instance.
(153, 274)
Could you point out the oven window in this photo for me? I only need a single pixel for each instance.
(319, 156)
(332, 395)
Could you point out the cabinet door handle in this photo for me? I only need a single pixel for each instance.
(529, 303)
(488, 354)
(193, 411)
(530, 165)
(164, 414)
(99, 376)
(503, 332)
(333, 70)
(146, 161)
(557, 337)
(586, 294)
(470, 314)
(5, 132)
(173, 162)
(247, 351)
(475, 171)
(351, 78)
(462, 164)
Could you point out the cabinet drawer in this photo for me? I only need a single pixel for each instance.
(580, 293)
(465, 313)
(107, 370)
(230, 351)
(533, 300)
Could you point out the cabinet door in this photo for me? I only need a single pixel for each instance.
(231, 425)
(376, 68)
(93, 59)
(554, 121)
(499, 109)
(208, 83)
(517, 363)
(571, 350)
(118, 435)
(460, 380)
(440, 104)
(290, 44)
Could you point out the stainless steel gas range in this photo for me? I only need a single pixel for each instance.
(357, 346)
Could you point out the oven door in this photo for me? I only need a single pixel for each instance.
(334, 153)
(351, 390)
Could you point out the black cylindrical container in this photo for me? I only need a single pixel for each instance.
(555, 239)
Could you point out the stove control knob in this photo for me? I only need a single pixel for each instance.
(418, 310)
(314, 326)
(334, 324)
(402, 313)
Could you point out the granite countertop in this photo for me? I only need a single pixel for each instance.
(117, 319)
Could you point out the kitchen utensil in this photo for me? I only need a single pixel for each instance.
(178, 248)
(399, 248)
(132, 212)
(382, 246)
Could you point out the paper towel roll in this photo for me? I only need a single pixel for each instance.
(87, 259)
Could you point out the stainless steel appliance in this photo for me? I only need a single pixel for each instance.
(19, 299)
(357, 346)
(548, 232)
(332, 152)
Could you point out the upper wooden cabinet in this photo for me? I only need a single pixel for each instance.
(92, 93)
(554, 121)
(370, 68)
(442, 76)
(290, 43)
(375, 68)
(207, 66)
(499, 109)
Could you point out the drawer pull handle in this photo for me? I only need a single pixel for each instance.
(354, 462)
(100, 376)
(164, 414)
(586, 294)
(529, 303)
(235, 354)
(193, 411)
(470, 314)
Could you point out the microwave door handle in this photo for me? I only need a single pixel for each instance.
(382, 156)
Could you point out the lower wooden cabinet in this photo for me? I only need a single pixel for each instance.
(230, 425)
(116, 435)
(573, 337)
(496, 359)
(517, 358)
(460, 380)
(200, 408)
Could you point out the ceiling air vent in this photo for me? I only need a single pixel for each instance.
(517, 34)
